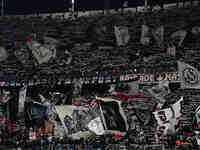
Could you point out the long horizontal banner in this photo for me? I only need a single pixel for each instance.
(152, 78)
(64, 80)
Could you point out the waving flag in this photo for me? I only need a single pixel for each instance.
(3, 54)
(122, 35)
(148, 32)
(167, 119)
(189, 76)
(167, 128)
(177, 108)
(72, 118)
(145, 35)
(158, 35)
(114, 118)
(179, 36)
(22, 98)
(160, 91)
(196, 30)
(96, 126)
(163, 116)
(42, 53)
(197, 115)
(50, 40)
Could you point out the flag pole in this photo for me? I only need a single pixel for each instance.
(146, 5)
(2, 7)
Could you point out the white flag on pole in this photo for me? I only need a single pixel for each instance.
(189, 76)
(22, 98)
(177, 108)
(197, 115)
(145, 35)
(122, 35)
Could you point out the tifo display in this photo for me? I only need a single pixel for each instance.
(126, 81)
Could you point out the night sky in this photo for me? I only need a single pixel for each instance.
(52, 6)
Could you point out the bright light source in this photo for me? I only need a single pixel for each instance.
(72, 1)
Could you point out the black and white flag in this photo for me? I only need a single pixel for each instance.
(42, 53)
(147, 33)
(190, 77)
(179, 36)
(160, 91)
(163, 116)
(114, 118)
(122, 35)
(176, 107)
(22, 98)
(197, 116)
(168, 118)
(3, 54)
(196, 30)
(158, 35)
(69, 121)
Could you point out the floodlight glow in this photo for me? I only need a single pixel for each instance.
(72, 1)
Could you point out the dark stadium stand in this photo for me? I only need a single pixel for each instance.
(13, 7)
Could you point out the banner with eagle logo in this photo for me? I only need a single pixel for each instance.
(189, 76)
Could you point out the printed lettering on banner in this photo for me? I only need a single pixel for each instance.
(146, 78)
